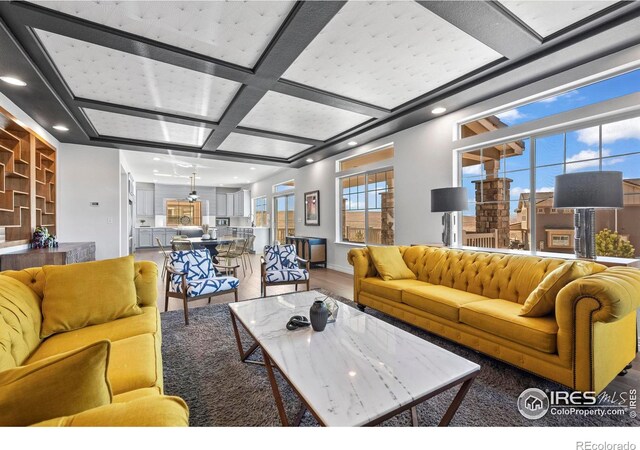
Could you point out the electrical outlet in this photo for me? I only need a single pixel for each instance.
(109, 219)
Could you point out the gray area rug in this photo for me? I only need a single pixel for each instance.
(202, 365)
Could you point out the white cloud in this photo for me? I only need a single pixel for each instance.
(577, 162)
(612, 132)
(474, 170)
(513, 114)
(516, 191)
(557, 97)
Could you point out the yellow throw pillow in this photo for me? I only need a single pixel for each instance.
(389, 263)
(542, 300)
(60, 385)
(78, 295)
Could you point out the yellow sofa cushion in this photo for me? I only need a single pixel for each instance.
(134, 363)
(58, 386)
(20, 322)
(442, 301)
(389, 263)
(147, 322)
(390, 290)
(156, 411)
(500, 318)
(89, 293)
(542, 301)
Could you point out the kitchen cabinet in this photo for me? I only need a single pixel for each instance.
(241, 203)
(230, 201)
(145, 237)
(144, 203)
(221, 205)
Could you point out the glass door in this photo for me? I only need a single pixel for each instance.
(284, 217)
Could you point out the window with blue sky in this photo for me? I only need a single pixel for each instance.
(501, 175)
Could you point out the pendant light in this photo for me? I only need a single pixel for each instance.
(193, 195)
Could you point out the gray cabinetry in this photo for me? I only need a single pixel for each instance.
(144, 203)
(221, 205)
(230, 200)
(145, 237)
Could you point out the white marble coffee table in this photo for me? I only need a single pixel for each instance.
(358, 371)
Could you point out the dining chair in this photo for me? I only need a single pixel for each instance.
(236, 251)
(281, 265)
(192, 276)
(247, 249)
(181, 244)
(166, 258)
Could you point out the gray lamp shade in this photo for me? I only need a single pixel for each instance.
(449, 199)
(589, 190)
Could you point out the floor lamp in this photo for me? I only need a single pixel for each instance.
(585, 192)
(448, 200)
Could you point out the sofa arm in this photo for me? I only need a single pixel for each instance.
(146, 280)
(616, 292)
(596, 318)
(155, 411)
(362, 268)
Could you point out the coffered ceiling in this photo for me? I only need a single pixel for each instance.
(277, 81)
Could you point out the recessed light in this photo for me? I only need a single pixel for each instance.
(438, 110)
(235, 178)
(163, 175)
(221, 184)
(252, 168)
(60, 128)
(309, 160)
(13, 80)
(156, 159)
(155, 170)
(184, 165)
(352, 143)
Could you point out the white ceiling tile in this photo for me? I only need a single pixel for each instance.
(547, 17)
(143, 129)
(255, 145)
(99, 73)
(291, 115)
(386, 53)
(236, 32)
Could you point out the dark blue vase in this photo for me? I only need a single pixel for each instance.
(319, 314)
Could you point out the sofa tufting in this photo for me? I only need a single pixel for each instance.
(134, 362)
(475, 299)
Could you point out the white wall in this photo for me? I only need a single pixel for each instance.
(90, 174)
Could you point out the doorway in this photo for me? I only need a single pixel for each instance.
(284, 217)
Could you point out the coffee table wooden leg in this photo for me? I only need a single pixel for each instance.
(300, 415)
(414, 417)
(455, 404)
(274, 388)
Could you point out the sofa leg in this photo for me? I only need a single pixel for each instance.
(361, 307)
(625, 370)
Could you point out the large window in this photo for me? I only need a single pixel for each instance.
(283, 187)
(607, 89)
(367, 208)
(499, 179)
(284, 217)
(260, 212)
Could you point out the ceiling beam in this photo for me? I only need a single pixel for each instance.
(304, 23)
(488, 24)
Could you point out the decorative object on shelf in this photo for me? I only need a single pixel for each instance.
(42, 239)
(142, 222)
(205, 231)
(193, 195)
(319, 315)
(312, 208)
(585, 192)
(448, 200)
(332, 306)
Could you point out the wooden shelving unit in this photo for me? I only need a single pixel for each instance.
(27, 182)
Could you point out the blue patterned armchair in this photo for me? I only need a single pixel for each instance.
(281, 265)
(192, 276)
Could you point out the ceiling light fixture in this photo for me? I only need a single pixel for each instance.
(309, 160)
(352, 143)
(13, 80)
(164, 175)
(60, 128)
(156, 159)
(184, 165)
(438, 110)
(252, 168)
(193, 195)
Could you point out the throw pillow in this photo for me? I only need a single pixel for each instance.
(389, 263)
(78, 295)
(57, 386)
(542, 300)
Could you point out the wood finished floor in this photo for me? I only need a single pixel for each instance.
(333, 281)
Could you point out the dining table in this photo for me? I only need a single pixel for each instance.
(212, 244)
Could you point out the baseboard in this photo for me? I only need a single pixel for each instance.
(343, 269)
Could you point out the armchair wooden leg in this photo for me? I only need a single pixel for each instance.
(296, 287)
(209, 302)
(307, 285)
(166, 301)
(186, 310)
(235, 295)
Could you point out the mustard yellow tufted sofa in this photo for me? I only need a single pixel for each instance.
(473, 298)
(134, 363)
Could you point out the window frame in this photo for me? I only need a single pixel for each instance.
(255, 210)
